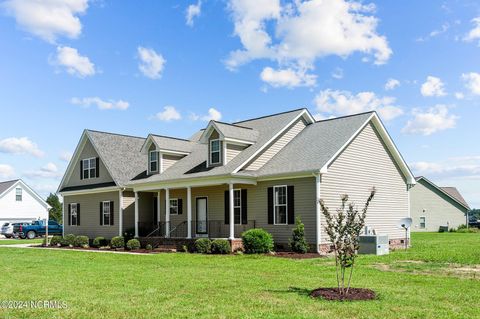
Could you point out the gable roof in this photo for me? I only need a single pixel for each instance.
(168, 144)
(231, 131)
(8, 185)
(451, 192)
(4, 186)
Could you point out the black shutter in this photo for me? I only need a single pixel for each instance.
(97, 166)
(101, 213)
(69, 214)
(244, 207)
(227, 207)
(78, 214)
(180, 206)
(112, 213)
(291, 205)
(270, 205)
(81, 169)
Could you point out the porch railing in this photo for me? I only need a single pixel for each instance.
(210, 229)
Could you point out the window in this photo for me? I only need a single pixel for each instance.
(237, 206)
(73, 214)
(173, 206)
(422, 222)
(280, 205)
(18, 194)
(89, 168)
(214, 151)
(106, 214)
(153, 161)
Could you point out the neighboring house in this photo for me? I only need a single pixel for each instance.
(433, 207)
(19, 203)
(227, 178)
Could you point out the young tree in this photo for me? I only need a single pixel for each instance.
(298, 243)
(55, 212)
(343, 229)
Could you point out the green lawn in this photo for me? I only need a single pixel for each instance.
(96, 285)
(19, 241)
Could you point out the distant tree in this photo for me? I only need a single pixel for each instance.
(55, 212)
(474, 214)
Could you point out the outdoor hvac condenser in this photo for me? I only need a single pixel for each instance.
(374, 245)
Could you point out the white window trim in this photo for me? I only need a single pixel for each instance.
(109, 214)
(420, 223)
(275, 206)
(150, 161)
(89, 168)
(21, 194)
(175, 199)
(76, 214)
(239, 190)
(219, 152)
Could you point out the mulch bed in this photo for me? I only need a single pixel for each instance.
(292, 255)
(334, 294)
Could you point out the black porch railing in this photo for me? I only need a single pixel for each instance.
(210, 229)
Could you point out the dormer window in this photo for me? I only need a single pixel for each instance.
(215, 152)
(89, 168)
(153, 161)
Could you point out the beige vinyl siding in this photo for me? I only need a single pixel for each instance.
(365, 163)
(128, 210)
(88, 152)
(233, 150)
(90, 215)
(277, 145)
(440, 210)
(169, 160)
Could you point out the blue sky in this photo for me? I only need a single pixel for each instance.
(166, 67)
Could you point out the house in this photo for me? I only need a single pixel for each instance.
(20, 203)
(433, 207)
(229, 177)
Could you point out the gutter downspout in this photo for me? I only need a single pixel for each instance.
(318, 213)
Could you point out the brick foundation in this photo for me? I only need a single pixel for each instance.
(179, 243)
(236, 244)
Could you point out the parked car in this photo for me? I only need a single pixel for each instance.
(475, 223)
(37, 228)
(7, 230)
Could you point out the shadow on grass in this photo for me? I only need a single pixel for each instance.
(300, 291)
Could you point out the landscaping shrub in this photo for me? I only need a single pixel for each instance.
(203, 246)
(129, 234)
(117, 242)
(99, 242)
(81, 241)
(149, 247)
(257, 241)
(468, 230)
(69, 240)
(298, 243)
(56, 241)
(133, 244)
(221, 246)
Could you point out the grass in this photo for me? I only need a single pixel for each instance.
(19, 241)
(101, 285)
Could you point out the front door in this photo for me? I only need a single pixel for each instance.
(202, 208)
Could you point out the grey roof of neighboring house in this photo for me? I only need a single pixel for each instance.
(172, 143)
(237, 132)
(452, 192)
(193, 165)
(120, 154)
(6, 185)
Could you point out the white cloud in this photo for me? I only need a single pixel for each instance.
(337, 73)
(73, 62)
(303, 31)
(101, 104)
(20, 145)
(48, 171)
(340, 103)
(193, 11)
(169, 113)
(392, 84)
(151, 63)
(472, 82)
(459, 95)
(287, 78)
(48, 19)
(65, 156)
(433, 120)
(433, 86)
(213, 114)
(453, 166)
(6, 171)
(474, 34)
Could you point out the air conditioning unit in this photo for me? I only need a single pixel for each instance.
(374, 245)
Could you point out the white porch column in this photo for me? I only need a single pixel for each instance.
(318, 212)
(120, 213)
(189, 212)
(167, 212)
(136, 214)
(232, 221)
(158, 208)
(63, 216)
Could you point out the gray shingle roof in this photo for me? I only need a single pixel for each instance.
(173, 144)
(6, 185)
(120, 154)
(452, 191)
(237, 132)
